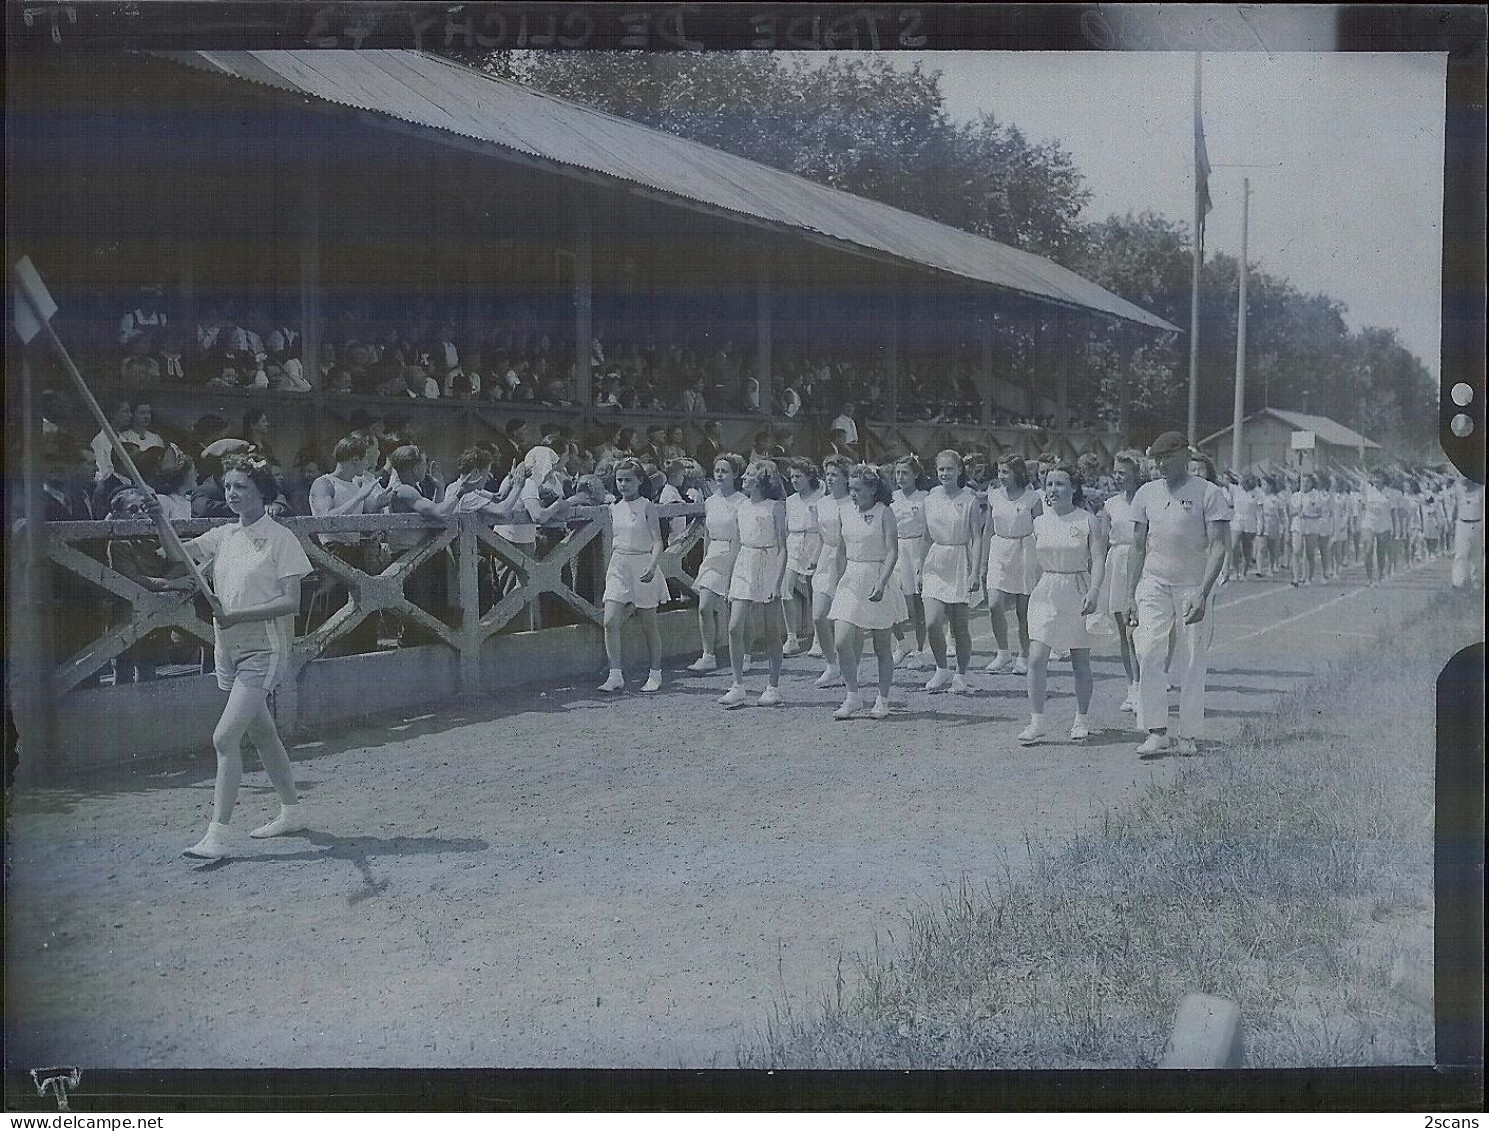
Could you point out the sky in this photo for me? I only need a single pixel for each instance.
(1346, 188)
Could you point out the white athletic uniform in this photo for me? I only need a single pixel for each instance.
(830, 528)
(1468, 537)
(803, 536)
(760, 554)
(1117, 583)
(1012, 566)
(950, 524)
(909, 517)
(867, 549)
(248, 565)
(721, 519)
(1055, 616)
(1173, 571)
(631, 550)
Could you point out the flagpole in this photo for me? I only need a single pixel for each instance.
(1199, 238)
(1239, 407)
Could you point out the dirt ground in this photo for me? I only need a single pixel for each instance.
(556, 880)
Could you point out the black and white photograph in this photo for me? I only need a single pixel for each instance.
(703, 537)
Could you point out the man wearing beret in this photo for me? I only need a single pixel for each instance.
(1182, 529)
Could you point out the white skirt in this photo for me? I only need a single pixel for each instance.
(1055, 616)
(945, 577)
(1012, 565)
(755, 572)
(801, 550)
(623, 582)
(907, 569)
(717, 567)
(825, 576)
(1116, 585)
(850, 601)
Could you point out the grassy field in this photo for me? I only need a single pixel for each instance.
(1290, 871)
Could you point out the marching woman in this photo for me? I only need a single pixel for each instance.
(633, 579)
(720, 548)
(1274, 524)
(1377, 526)
(830, 508)
(759, 573)
(1246, 504)
(803, 546)
(1116, 590)
(257, 566)
(1012, 567)
(1072, 559)
(949, 574)
(908, 507)
(868, 597)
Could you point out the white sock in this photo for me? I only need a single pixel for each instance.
(655, 673)
(616, 673)
(1080, 717)
(1036, 720)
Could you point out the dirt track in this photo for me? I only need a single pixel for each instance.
(554, 880)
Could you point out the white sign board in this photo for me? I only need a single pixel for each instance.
(1304, 441)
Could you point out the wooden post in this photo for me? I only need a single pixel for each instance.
(892, 354)
(310, 271)
(583, 375)
(1126, 347)
(29, 641)
(985, 335)
(763, 331)
(1064, 342)
(467, 558)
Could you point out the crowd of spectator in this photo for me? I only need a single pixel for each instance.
(520, 360)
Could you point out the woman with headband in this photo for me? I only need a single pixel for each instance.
(720, 548)
(831, 508)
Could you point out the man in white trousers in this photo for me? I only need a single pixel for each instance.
(1182, 529)
(1468, 535)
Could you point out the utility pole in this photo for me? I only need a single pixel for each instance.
(1239, 408)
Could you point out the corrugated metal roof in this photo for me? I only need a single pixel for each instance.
(1328, 431)
(427, 90)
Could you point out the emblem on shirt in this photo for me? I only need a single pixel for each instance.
(259, 543)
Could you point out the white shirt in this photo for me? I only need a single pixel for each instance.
(249, 565)
(1177, 520)
(845, 422)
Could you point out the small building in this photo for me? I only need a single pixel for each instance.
(1276, 437)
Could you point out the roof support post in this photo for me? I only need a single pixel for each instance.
(892, 353)
(583, 238)
(763, 331)
(310, 269)
(1064, 341)
(985, 370)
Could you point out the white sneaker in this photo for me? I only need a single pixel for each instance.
(959, 685)
(1032, 734)
(1155, 744)
(615, 682)
(850, 707)
(1001, 663)
(792, 647)
(830, 677)
(733, 697)
(815, 651)
(1079, 731)
(939, 682)
(1060, 655)
(288, 821)
(1130, 703)
(213, 846)
(880, 709)
(1021, 666)
(771, 697)
(704, 664)
(899, 654)
(653, 682)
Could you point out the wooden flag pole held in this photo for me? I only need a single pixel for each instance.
(26, 281)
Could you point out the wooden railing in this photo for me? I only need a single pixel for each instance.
(577, 561)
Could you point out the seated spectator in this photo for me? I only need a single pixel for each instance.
(139, 432)
(67, 479)
(138, 364)
(790, 402)
(656, 442)
(764, 443)
(169, 358)
(413, 383)
(607, 390)
(175, 484)
(339, 381)
(691, 400)
(283, 343)
(286, 376)
(103, 451)
(750, 400)
(556, 394)
(845, 423)
(147, 316)
(105, 489)
(675, 445)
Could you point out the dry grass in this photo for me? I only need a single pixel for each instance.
(1287, 872)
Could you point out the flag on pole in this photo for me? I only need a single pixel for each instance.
(1203, 204)
(33, 302)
